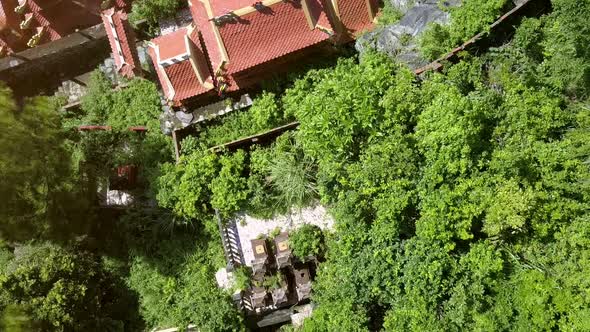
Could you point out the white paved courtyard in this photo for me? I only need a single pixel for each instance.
(249, 228)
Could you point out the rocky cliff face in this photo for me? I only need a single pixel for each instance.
(400, 40)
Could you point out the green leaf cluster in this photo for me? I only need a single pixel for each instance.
(308, 240)
(467, 20)
(461, 201)
(265, 113)
(49, 288)
(176, 285)
(135, 103)
(262, 181)
(152, 11)
(451, 197)
(39, 182)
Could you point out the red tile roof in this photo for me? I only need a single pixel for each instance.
(123, 4)
(184, 80)
(221, 7)
(162, 77)
(122, 40)
(3, 18)
(65, 17)
(318, 13)
(206, 27)
(172, 44)
(8, 18)
(354, 15)
(182, 76)
(255, 37)
(265, 35)
(199, 56)
(12, 38)
(57, 18)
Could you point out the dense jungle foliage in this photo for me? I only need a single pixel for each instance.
(467, 20)
(68, 265)
(456, 199)
(461, 200)
(152, 11)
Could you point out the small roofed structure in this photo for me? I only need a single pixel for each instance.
(258, 297)
(302, 283)
(260, 256)
(279, 295)
(181, 65)
(283, 251)
(124, 178)
(122, 41)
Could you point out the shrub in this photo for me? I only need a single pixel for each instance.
(307, 241)
(389, 14)
(272, 282)
(266, 113)
(153, 10)
(291, 174)
(243, 278)
(472, 17)
(229, 188)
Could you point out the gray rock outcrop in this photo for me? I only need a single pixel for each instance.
(399, 40)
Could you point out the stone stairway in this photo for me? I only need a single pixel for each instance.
(242, 301)
(234, 243)
(231, 243)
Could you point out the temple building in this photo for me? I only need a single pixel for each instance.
(231, 44)
(28, 23)
(122, 41)
(53, 45)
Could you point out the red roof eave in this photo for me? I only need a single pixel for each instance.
(260, 37)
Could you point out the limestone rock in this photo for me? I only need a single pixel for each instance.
(184, 118)
(399, 40)
(420, 16)
(404, 5)
(169, 121)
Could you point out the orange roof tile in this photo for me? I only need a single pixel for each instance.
(58, 19)
(162, 76)
(221, 7)
(63, 18)
(172, 44)
(184, 80)
(122, 40)
(267, 34)
(354, 15)
(181, 75)
(201, 20)
(8, 18)
(199, 56)
(319, 14)
(12, 38)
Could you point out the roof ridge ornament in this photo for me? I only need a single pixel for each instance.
(20, 9)
(26, 23)
(225, 18)
(36, 38)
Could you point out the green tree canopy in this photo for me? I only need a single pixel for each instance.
(62, 290)
(176, 285)
(38, 181)
(308, 240)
